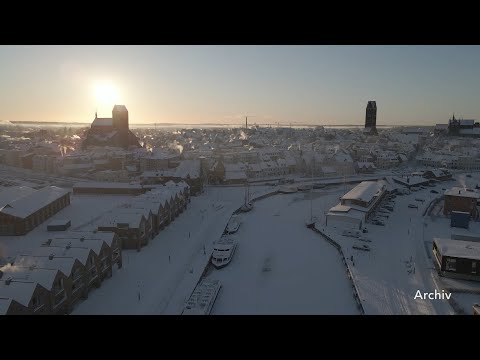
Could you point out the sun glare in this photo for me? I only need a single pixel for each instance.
(106, 94)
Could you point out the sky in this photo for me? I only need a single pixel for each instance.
(324, 85)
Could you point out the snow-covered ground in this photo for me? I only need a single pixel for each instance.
(281, 267)
(466, 301)
(399, 262)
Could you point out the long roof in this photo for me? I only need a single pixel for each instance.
(365, 191)
(14, 193)
(27, 205)
(458, 248)
(20, 291)
(44, 277)
(462, 192)
(64, 264)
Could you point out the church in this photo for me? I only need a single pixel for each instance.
(112, 131)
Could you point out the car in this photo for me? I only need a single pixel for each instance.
(419, 199)
(468, 175)
(413, 206)
(363, 247)
(381, 223)
(434, 191)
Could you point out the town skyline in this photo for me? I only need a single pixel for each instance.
(309, 85)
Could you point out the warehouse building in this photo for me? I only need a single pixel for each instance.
(357, 205)
(20, 214)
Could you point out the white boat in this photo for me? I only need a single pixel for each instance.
(202, 299)
(232, 226)
(223, 251)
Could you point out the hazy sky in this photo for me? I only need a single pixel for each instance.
(222, 84)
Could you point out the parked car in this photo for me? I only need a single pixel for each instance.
(377, 222)
(419, 199)
(363, 247)
(434, 191)
(413, 206)
(469, 175)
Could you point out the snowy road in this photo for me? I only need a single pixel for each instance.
(281, 267)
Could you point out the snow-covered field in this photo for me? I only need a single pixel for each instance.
(281, 267)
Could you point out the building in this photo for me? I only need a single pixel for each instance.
(461, 199)
(457, 259)
(32, 297)
(19, 215)
(357, 206)
(371, 118)
(112, 131)
(109, 188)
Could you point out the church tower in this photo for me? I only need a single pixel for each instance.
(120, 118)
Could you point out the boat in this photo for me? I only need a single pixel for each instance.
(306, 187)
(318, 186)
(223, 251)
(287, 189)
(246, 207)
(232, 226)
(203, 298)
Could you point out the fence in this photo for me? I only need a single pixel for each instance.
(337, 246)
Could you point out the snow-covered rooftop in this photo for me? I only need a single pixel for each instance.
(20, 291)
(462, 192)
(458, 248)
(44, 277)
(365, 191)
(59, 222)
(14, 193)
(107, 185)
(27, 205)
(4, 305)
(64, 264)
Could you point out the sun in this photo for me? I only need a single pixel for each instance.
(105, 93)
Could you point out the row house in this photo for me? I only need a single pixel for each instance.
(64, 270)
(130, 227)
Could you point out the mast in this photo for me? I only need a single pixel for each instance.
(311, 190)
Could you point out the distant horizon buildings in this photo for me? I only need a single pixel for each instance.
(371, 119)
(459, 127)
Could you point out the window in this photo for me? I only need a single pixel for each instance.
(451, 264)
(474, 267)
